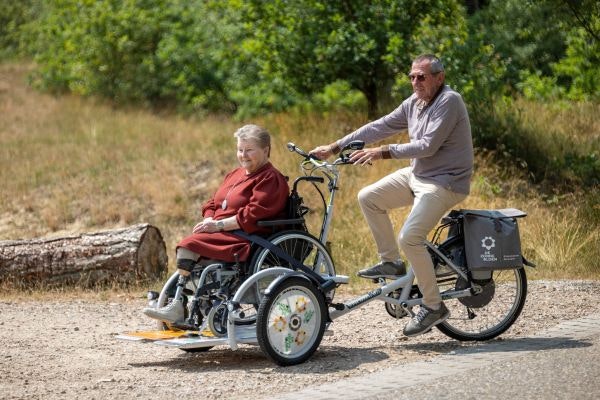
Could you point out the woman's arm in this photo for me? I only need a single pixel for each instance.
(267, 201)
(212, 225)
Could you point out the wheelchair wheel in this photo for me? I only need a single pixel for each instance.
(300, 245)
(168, 292)
(217, 320)
(291, 321)
(166, 295)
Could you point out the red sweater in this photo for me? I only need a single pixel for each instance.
(257, 196)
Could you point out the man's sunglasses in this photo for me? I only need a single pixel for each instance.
(419, 77)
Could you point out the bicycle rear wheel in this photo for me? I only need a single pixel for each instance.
(490, 313)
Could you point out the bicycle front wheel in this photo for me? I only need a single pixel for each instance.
(497, 308)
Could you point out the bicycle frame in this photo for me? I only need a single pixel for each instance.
(405, 283)
(330, 171)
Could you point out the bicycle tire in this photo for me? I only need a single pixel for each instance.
(496, 316)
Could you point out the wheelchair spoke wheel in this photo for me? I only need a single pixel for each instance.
(299, 245)
(217, 320)
(490, 313)
(291, 321)
(168, 292)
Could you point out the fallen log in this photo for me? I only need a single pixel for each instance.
(113, 256)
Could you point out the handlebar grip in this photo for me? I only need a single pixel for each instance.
(292, 147)
(319, 179)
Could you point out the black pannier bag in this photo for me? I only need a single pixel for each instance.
(492, 239)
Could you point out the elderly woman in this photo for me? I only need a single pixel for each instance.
(255, 191)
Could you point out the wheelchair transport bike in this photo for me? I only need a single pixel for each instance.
(283, 298)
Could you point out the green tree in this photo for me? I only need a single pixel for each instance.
(549, 47)
(105, 47)
(14, 15)
(302, 46)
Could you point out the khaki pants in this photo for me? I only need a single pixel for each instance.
(429, 204)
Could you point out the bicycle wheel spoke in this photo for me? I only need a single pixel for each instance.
(499, 304)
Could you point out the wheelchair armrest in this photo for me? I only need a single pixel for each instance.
(281, 222)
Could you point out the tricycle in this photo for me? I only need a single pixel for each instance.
(283, 298)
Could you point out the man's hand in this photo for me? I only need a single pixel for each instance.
(321, 152)
(366, 156)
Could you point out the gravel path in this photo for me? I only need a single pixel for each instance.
(67, 349)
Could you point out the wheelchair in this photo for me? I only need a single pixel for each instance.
(212, 283)
(220, 297)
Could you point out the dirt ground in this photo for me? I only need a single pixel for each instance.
(65, 349)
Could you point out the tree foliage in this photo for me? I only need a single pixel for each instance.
(306, 45)
(550, 47)
(253, 56)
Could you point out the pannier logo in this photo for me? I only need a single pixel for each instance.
(488, 243)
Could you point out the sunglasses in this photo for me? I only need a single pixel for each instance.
(419, 77)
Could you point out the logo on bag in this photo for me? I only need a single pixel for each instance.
(488, 242)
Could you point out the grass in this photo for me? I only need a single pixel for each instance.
(69, 164)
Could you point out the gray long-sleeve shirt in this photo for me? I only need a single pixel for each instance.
(440, 147)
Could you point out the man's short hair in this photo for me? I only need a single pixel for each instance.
(435, 64)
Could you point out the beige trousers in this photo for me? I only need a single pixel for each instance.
(429, 204)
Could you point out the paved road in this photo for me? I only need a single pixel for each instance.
(560, 363)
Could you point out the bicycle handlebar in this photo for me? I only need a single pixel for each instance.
(344, 157)
(292, 147)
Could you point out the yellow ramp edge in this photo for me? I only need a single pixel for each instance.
(164, 334)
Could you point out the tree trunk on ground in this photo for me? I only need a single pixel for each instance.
(115, 256)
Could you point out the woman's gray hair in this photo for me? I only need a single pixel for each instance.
(256, 133)
(435, 64)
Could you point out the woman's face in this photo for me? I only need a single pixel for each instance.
(251, 156)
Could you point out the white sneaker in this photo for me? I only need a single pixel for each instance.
(172, 312)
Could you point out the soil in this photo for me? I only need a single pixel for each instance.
(67, 348)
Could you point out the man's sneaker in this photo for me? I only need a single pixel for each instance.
(425, 319)
(386, 269)
(172, 312)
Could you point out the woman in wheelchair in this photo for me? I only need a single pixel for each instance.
(255, 191)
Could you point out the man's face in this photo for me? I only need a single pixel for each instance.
(424, 84)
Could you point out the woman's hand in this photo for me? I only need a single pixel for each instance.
(366, 156)
(207, 225)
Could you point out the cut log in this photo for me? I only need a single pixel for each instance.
(113, 256)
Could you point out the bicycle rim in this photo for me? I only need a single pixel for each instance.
(492, 319)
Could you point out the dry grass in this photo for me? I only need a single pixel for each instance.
(71, 165)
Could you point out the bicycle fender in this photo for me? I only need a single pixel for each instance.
(282, 278)
(527, 262)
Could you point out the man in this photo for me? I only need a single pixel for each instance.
(441, 153)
